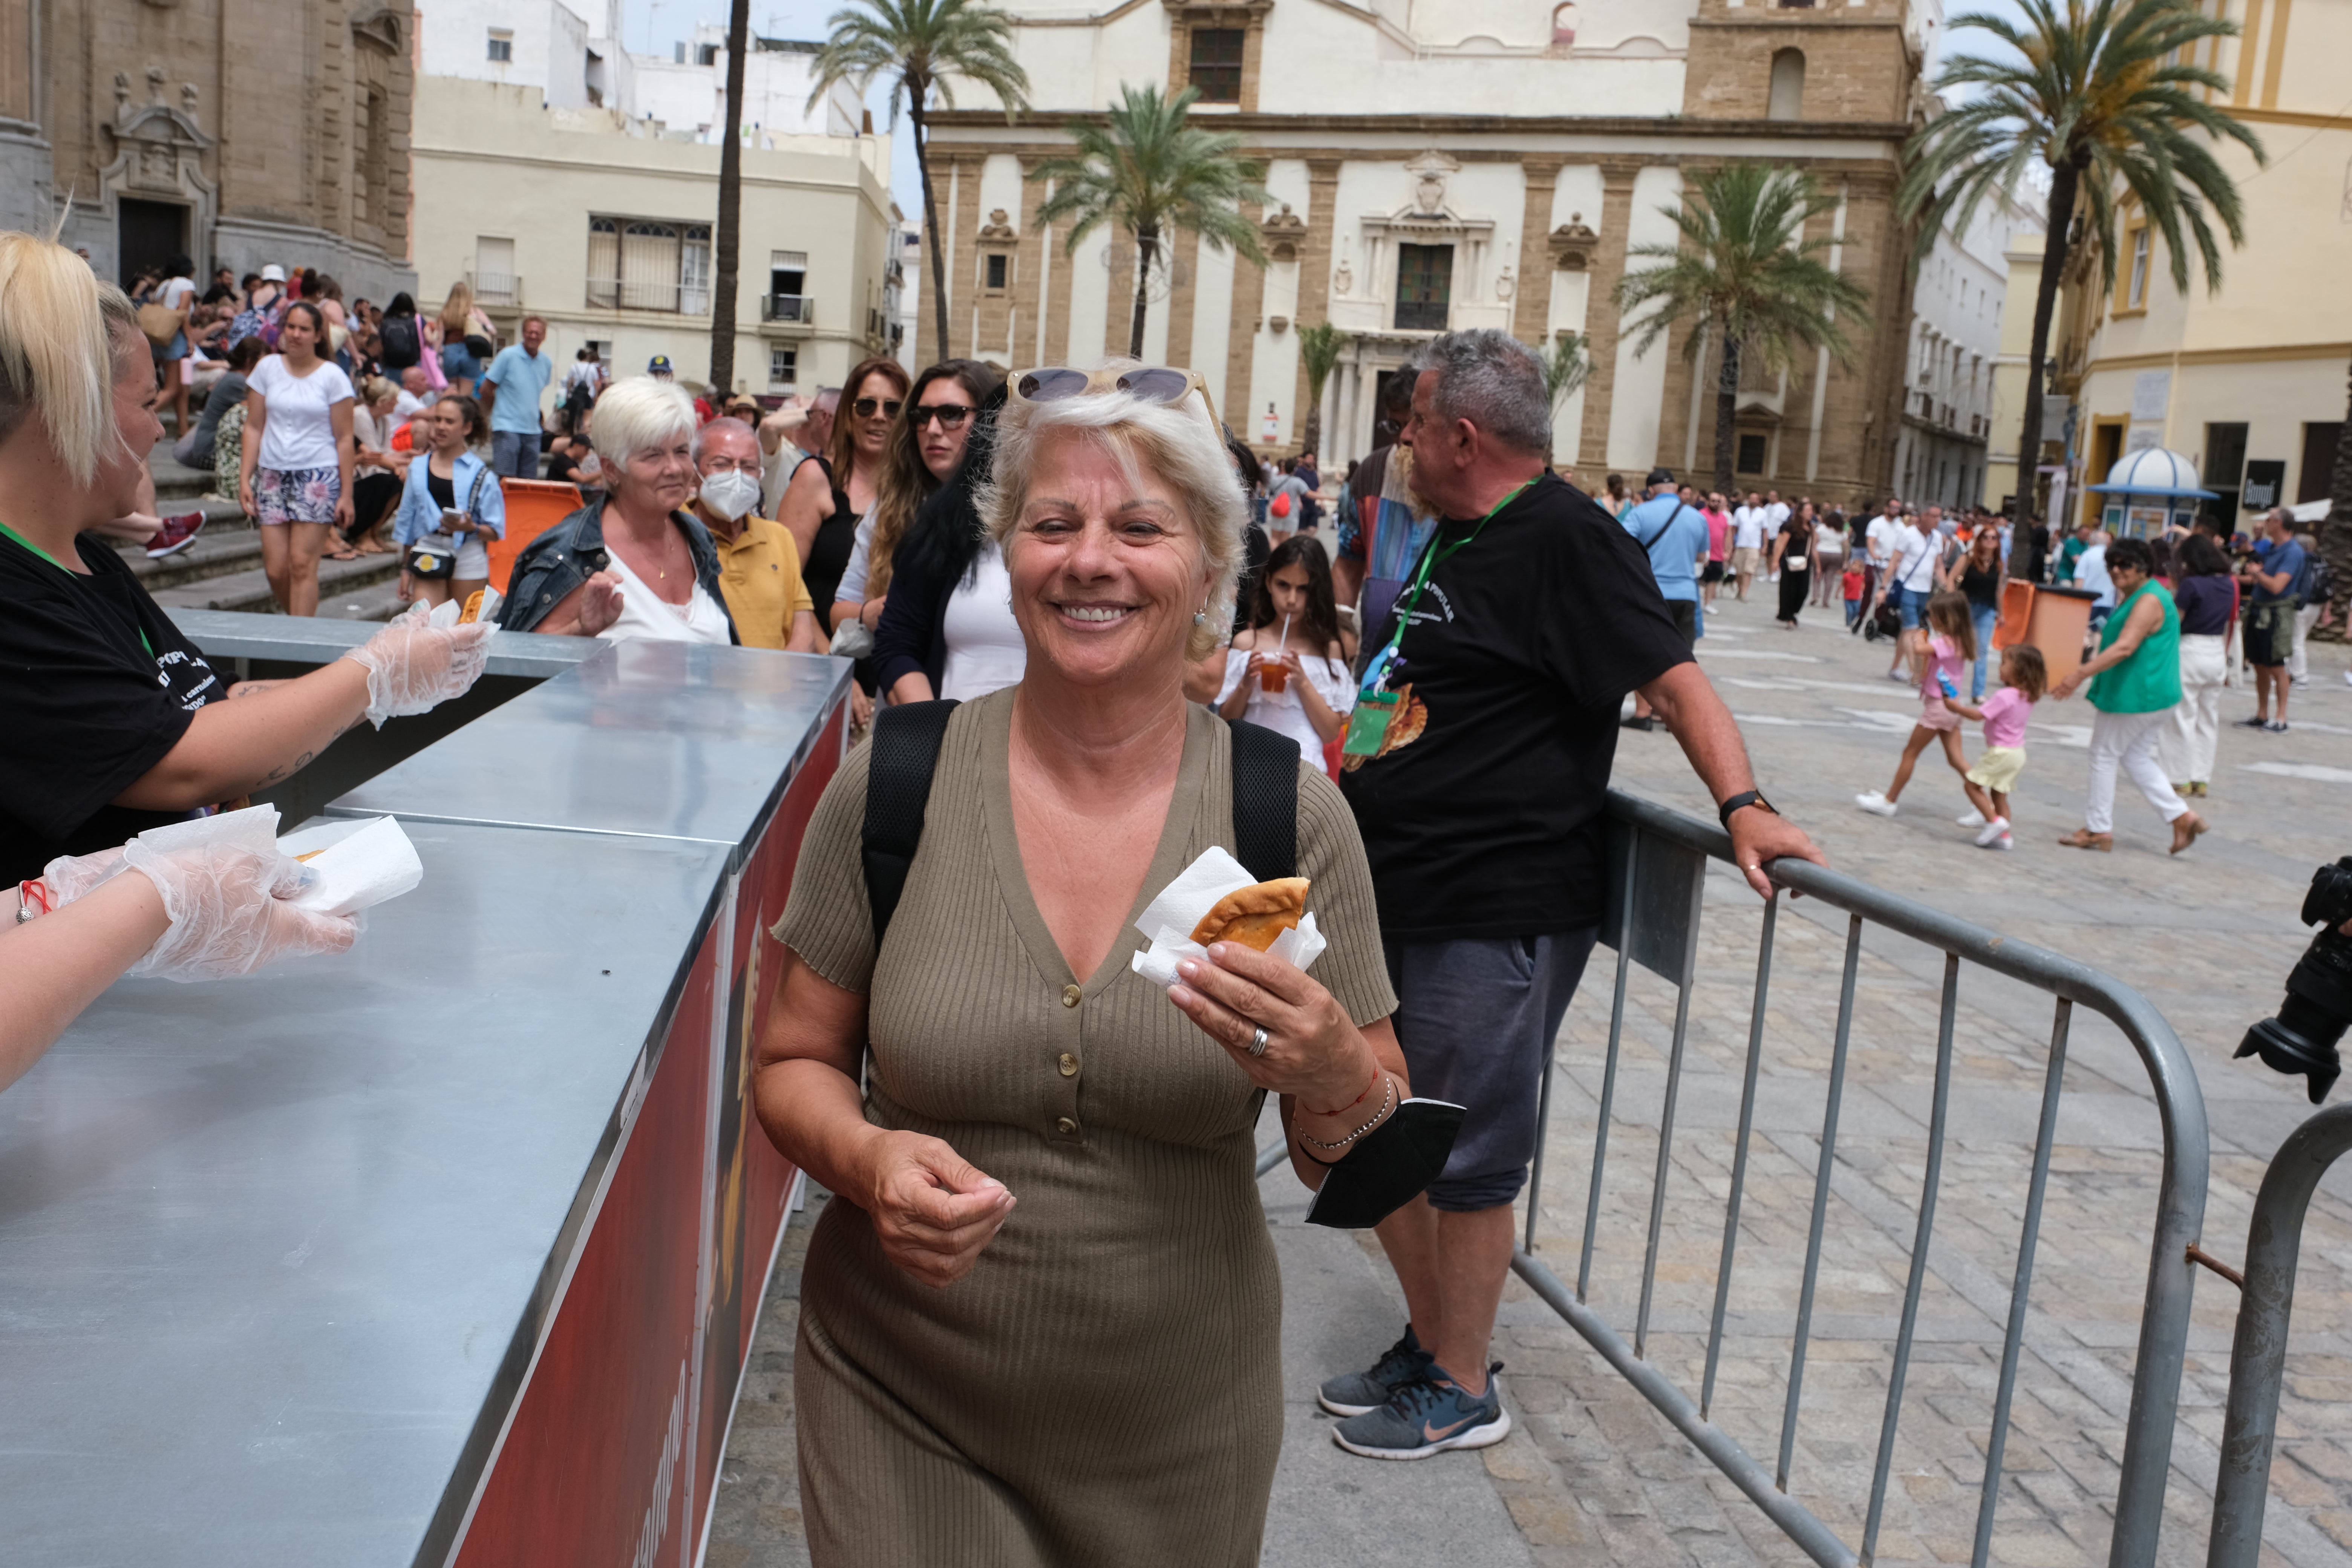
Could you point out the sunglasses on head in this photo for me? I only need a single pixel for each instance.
(1157, 384)
(866, 407)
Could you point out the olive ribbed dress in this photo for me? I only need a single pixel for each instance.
(1105, 1386)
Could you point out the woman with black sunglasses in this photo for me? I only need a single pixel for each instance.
(824, 500)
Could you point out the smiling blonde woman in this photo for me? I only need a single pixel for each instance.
(1040, 1323)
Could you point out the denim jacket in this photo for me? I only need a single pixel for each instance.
(571, 552)
(419, 514)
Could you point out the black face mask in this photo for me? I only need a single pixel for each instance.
(1388, 1167)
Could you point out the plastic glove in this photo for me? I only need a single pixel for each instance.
(413, 667)
(229, 912)
(70, 877)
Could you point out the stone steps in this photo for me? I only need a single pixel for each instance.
(340, 584)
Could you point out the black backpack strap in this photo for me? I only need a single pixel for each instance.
(900, 759)
(1265, 801)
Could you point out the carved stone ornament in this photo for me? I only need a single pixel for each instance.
(1279, 323)
(159, 150)
(1343, 282)
(1572, 244)
(1430, 172)
(1282, 233)
(1506, 286)
(997, 228)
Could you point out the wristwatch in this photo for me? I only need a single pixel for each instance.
(1745, 797)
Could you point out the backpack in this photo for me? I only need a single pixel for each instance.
(905, 753)
(401, 345)
(1281, 505)
(2314, 582)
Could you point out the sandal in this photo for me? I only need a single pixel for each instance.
(2084, 838)
(2186, 828)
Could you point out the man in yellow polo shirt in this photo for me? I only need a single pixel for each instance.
(759, 566)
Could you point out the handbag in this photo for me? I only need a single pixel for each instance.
(852, 639)
(480, 346)
(161, 324)
(435, 557)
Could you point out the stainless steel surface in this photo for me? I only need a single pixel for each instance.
(304, 639)
(267, 1246)
(1656, 857)
(660, 740)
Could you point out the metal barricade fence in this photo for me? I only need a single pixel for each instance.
(2258, 1355)
(1657, 860)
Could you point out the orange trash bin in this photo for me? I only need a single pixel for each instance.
(2061, 619)
(533, 506)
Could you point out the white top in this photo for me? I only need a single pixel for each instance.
(173, 295)
(1776, 512)
(854, 575)
(985, 652)
(1747, 528)
(298, 429)
(2091, 571)
(1880, 538)
(644, 616)
(406, 404)
(1282, 710)
(1915, 559)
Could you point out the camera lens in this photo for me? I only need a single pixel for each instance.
(2302, 1039)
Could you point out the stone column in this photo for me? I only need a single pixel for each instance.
(1315, 268)
(1531, 311)
(1241, 338)
(1035, 259)
(1185, 265)
(1601, 315)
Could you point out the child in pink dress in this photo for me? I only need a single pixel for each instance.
(1951, 648)
(2023, 680)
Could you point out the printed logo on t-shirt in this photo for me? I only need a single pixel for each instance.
(186, 676)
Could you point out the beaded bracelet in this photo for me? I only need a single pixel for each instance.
(1371, 1084)
(1387, 1101)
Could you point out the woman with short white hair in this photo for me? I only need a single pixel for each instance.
(633, 563)
(1102, 1384)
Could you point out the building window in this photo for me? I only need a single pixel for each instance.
(501, 46)
(1217, 64)
(1563, 25)
(493, 279)
(2136, 292)
(706, 54)
(636, 264)
(1787, 100)
(1424, 287)
(996, 269)
(1752, 452)
(784, 369)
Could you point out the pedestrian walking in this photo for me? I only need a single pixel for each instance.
(1948, 649)
(1796, 558)
(1856, 586)
(1478, 762)
(2207, 597)
(1747, 543)
(511, 389)
(1982, 578)
(1672, 535)
(2273, 575)
(175, 296)
(295, 458)
(1718, 546)
(464, 338)
(1830, 549)
(1911, 579)
(451, 507)
(2135, 683)
(1993, 778)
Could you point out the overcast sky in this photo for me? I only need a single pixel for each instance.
(654, 25)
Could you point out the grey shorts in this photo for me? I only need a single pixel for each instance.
(1476, 1017)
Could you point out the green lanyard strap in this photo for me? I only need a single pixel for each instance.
(1432, 558)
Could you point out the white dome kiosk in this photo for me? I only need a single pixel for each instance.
(2148, 491)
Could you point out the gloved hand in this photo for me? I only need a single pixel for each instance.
(413, 668)
(229, 914)
(70, 877)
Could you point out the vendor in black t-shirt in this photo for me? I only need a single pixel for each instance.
(1478, 762)
(113, 721)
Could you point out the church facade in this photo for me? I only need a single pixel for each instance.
(1478, 164)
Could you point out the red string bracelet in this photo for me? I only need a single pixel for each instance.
(1377, 1072)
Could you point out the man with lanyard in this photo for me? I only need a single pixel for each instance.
(1477, 765)
(1674, 537)
(1911, 580)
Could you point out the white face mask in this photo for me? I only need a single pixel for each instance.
(731, 494)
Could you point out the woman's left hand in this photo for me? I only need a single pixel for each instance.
(1313, 1050)
(344, 515)
(2066, 687)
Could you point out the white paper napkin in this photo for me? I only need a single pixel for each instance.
(358, 864)
(1168, 919)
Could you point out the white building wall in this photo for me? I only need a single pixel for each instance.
(1640, 381)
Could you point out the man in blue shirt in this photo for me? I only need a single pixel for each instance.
(1675, 534)
(2275, 576)
(511, 389)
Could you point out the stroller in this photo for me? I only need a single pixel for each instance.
(1885, 621)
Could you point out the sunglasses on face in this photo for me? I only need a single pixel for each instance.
(950, 415)
(867, 407)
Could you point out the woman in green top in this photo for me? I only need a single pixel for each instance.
(2135, 682)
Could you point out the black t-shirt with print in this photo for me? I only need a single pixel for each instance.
(86, 706)
(1484, 820)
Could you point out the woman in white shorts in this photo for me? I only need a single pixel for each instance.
(450, 478)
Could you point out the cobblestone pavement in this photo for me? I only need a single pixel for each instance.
(1592, 1474)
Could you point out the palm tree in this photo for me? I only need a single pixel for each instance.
(1744, 271)
(2335, 530)
(1148, 172)
(930, 43)
(1565, 370)
(728, 234)
(2101, 94)
(1319, 347)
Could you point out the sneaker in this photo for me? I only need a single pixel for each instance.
(1428, 1417)
(1998, 828)
(1874, 802)
(1971, 817)
(1361, 1392)
(2256, 722)
(176, 534)
(2277, 727)
(2003, 842)
(2301, 680)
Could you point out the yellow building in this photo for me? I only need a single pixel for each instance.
(2250, 381)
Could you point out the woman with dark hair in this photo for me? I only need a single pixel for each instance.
(176, 292)
(1982, 577)
(947, 626)
(296, 457)
(1795, 553)
(2207, 596)
(1289, 671)
(925, 447)
(400, 336)
(2135, 682)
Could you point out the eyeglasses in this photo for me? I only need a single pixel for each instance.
(1161, 384)
(950, 415)
(866, 407)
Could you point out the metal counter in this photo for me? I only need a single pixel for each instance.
(266, 1244)
(308, 640)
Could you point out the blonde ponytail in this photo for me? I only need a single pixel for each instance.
(58, 322)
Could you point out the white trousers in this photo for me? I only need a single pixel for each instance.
(2127, 741)
(2185, 747)
(2305, 618)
